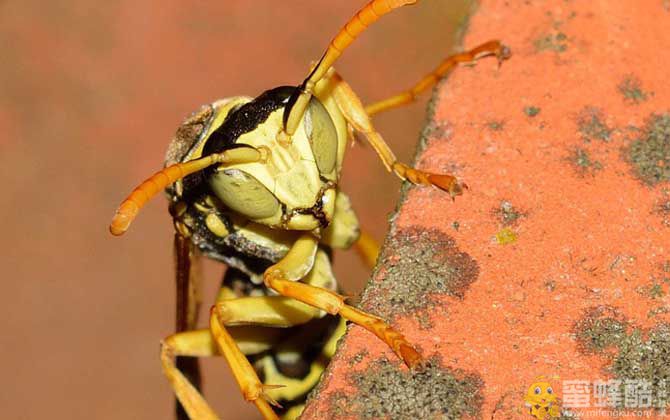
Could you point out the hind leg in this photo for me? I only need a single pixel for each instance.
(200, 343)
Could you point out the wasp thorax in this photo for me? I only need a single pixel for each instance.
(295, 187)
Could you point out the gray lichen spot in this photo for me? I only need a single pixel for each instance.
(638, 355)
(385, 390)
(591, 125)
(600, 328)
(631, 89)
(551, 42)
(659, 310)
(663, 210)
(645, 357)
(419, 265)
(650, 154)
(653, 291)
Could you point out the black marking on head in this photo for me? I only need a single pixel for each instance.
(291, 101)
(246, 118)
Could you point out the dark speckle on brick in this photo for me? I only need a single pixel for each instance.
(358, 357)
(507, 214)
(531, 111)
(551, 42)
(441, 131)
(650, 154)
(387, 390)
(419, 266)
(496, 125)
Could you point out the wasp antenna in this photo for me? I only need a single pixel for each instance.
(129, 208)
(349, 32)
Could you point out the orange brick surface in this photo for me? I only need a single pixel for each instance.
(556, 262)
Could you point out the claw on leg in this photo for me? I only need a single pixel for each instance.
(386, 333)
(267, 396)
(445, 182)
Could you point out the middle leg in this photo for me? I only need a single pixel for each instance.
(282, 277)
(354, 112)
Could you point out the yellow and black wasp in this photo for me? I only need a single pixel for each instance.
(253, 183)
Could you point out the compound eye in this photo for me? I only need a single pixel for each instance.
(322, 136)
(243, 193)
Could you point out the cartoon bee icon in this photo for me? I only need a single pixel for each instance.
(541, 400)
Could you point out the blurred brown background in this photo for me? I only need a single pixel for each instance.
(90, 94)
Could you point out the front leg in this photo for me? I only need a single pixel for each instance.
(354, 112)
(282, 277)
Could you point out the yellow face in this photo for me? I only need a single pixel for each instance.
(540, 393)
(295, 188)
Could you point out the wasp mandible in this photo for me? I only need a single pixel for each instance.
(253, 182)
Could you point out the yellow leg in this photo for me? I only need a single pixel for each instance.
(199, 343)
(282, 277)
(186, 344)
(355, 114)
(274, 311)
(252, 388)
(233, 344)
(501, 52)
(349, 32)
(368, 249)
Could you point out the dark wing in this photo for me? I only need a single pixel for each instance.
(188, 304)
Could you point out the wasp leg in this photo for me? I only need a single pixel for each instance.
(355, 114)
(368, 249)
(233, 342)
(282, 277)
(276, 311)
(199, 343)
(470, 57)
(349, 32)
(247, 379)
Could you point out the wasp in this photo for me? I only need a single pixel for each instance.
(253, 183)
